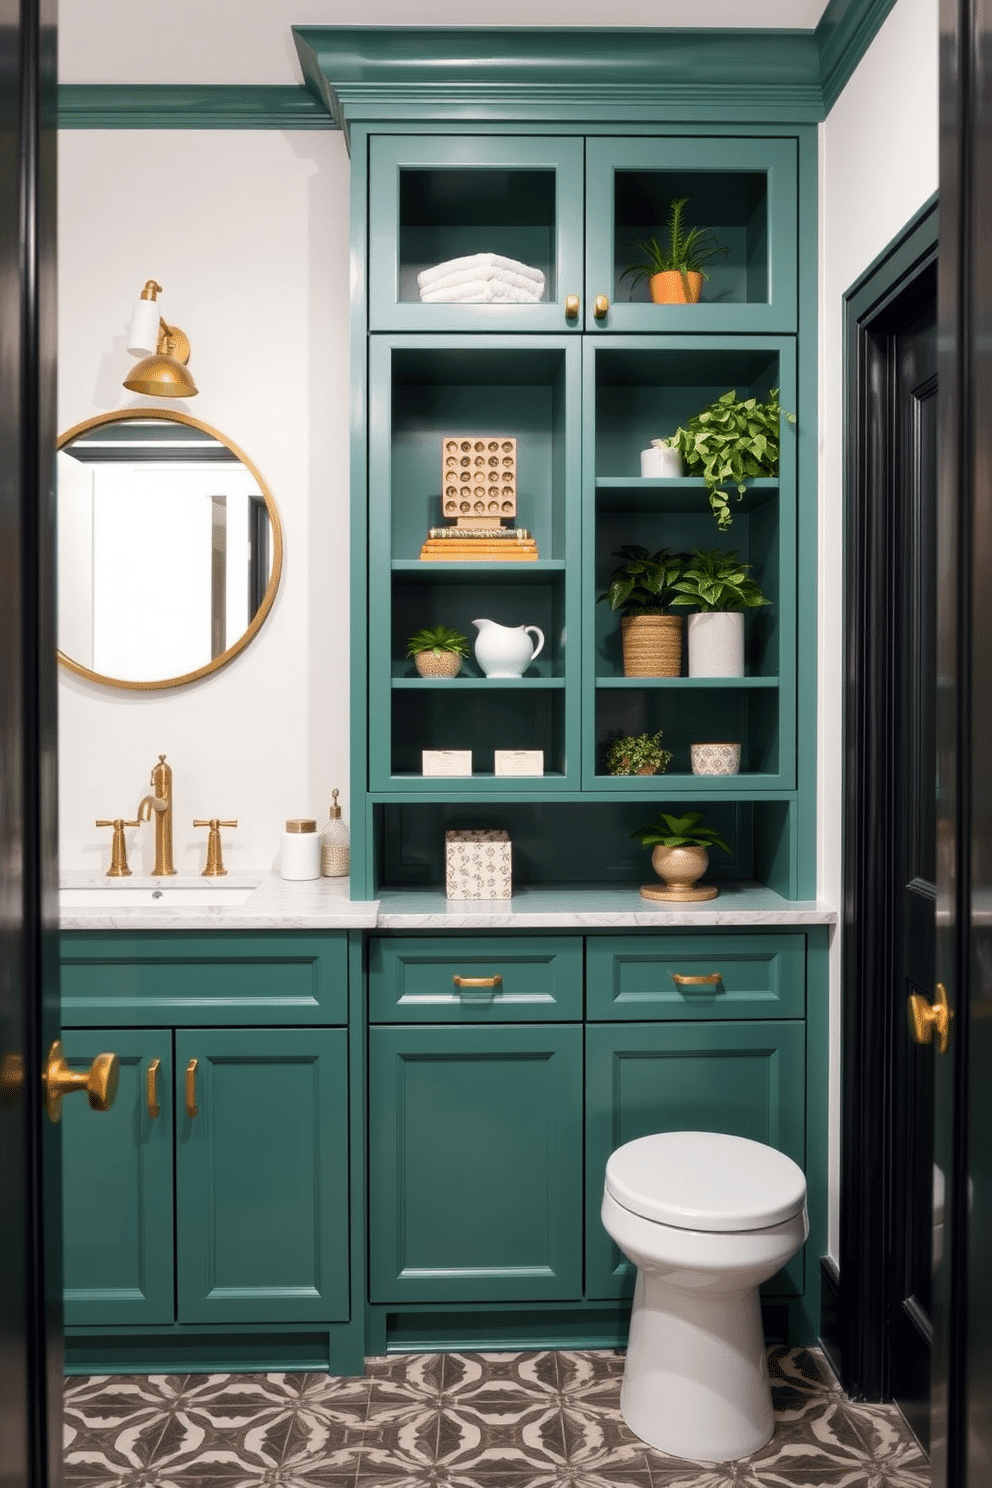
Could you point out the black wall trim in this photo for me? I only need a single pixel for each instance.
(830, 1331)
(863, 1323)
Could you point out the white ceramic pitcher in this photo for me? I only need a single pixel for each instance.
(505, 650)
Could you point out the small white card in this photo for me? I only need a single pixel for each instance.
(518, 762)
(446, 761)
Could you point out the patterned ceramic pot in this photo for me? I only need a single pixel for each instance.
(715, 759)
(438, 663)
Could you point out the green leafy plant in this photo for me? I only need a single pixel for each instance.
(687, 249)
(644, 583)
(637, 754)
(438, 638)
(728, 443)
(679, 831)
(717, 581)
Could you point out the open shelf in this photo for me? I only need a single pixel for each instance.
(447, 571)
(690, 715)
(685, 684)
(687, 494)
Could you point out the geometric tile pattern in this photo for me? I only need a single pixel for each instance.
(524, 1420)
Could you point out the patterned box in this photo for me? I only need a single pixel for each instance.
(446, 761)
(479, 479)
(477, 865)
(518, 761)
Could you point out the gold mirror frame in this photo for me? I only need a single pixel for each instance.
(167, 415)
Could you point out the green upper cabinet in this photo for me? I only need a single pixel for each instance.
(434, 199)
(743, 191)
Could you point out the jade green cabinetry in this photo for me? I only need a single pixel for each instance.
(215, 1193)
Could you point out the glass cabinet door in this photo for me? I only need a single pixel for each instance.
(489, 228)
(741, 191)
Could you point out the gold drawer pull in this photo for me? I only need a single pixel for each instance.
(697, 981)
(192, 1109)
(151, 1088)
(493, 981)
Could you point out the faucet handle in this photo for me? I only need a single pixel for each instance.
(118, 852)
(215, 856)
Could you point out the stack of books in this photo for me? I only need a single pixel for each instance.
(477, 544)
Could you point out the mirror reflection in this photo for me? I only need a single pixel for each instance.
(169, 549)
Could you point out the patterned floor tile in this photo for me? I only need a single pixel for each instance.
(472, 1420)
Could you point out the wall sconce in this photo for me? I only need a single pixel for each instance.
(164, 349)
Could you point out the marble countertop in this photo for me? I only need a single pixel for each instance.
(273, 903)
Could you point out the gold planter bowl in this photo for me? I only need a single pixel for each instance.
(652, 645)
(675, 288)
(679, 868)
(438, 663)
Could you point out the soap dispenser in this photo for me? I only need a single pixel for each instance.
(335, 854)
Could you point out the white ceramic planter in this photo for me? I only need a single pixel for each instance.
(716, 644)
(661, 463)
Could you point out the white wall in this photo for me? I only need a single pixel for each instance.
(247, 232)
(878, 165)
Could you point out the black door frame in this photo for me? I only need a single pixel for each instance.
(857, 1335)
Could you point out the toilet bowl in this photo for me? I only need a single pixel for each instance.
(705, 1218)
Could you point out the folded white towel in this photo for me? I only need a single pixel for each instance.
(478, 261)
(495, 275)
(480, 292)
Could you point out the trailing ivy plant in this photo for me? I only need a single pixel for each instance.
(687, 249)
(679, 831)
(438, 638)
(644, 583)
(729, 443)
(718, 581)
(638, 754)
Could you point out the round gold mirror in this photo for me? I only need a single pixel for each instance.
(169, 549)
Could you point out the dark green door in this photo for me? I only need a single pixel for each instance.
(475, 1166)
(262, 1175)
(747, 1079)
(117, 1184)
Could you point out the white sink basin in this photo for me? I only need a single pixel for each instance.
(169, 896)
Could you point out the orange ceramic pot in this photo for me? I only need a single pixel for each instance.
(674, 288)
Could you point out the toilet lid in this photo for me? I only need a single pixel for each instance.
(705, 1181)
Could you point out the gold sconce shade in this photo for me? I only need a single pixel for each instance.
(163, 373)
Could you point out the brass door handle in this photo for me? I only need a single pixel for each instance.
(601, 306)
(571, 306)
(192, 1109)
(151, 1088)
(493, 981)
(927, 1018)
(99, 1081)
(696, 981)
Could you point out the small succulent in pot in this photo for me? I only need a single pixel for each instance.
(679, 855)
(674, 271)
(438, 651)
(637, 754)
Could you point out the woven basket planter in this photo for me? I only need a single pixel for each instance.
(437, 663)
(652, 645)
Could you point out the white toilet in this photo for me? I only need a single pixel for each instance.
(705, 1218)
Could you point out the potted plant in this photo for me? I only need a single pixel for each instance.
(729, 442)
(637, 754)
(643, 586)
(437, 651)
(675, 272)
(679, 855)
(719, 587)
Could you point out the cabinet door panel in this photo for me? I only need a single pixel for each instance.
(540, 978)
(475, 1163)
(746, 1079)
(758, 976)
(744, 190)
(117, 1185)
(261, 1176)
(436, 198)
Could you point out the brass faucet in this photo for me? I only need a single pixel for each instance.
(161, 804)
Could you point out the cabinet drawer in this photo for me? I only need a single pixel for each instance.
(696, 976)
(151, 978)
(515, 979)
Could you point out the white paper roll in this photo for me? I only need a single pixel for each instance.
(142, 335)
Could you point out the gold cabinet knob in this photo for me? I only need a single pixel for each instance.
(601, 306)
(571, 306)
(928, 1018)
(99, 1081)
